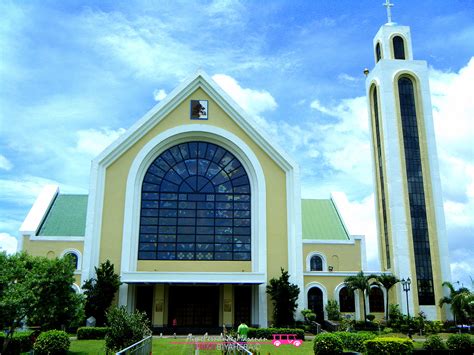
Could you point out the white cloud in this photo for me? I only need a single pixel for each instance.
(23, 190)
(159, 95)
(5, 164)
(8, 243)
(94, 141)
(358, 217)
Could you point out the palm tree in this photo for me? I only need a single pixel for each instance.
(360, 282)
(460, 301)
(387, 281)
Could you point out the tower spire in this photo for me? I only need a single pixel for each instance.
(388, 6)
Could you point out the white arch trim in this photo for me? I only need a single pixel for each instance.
(75, 252)
(181, 134)
(76, 288)
(314, 284)
(323, 258)
(338, 289)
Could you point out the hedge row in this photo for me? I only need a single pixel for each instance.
(389, 345)
(355, 341)
(89, 333)
(20, 343)
(267, 333)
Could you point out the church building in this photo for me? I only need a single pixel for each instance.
(197, 208)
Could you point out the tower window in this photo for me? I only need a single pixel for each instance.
(195, 206)
(316, 263)
(378, 52)
(379, 160)
(416, 193)
(398, 47)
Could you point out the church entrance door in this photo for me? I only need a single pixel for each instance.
(194, 306)
(316, 304)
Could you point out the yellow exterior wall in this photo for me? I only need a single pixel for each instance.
(52, 249)
(348, 256)
(115, 186)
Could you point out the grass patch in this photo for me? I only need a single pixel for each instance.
(82, 347)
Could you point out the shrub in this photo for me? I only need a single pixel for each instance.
(389, 345)
(84, 333)
(459, 342)
(327, 343)
(125, 328)
(20, 342)
(434, 342)
(434, 326)
(332, 308)
(354, 341)
(387, 330)
(267, 333)
(52, 342)
(370, 317)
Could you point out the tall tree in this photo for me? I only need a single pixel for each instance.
(284, 295)
(361, 283)
(100, 291)
(387, 281)
(38, 290)
(461, 302)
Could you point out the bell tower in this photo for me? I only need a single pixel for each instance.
(409, 205)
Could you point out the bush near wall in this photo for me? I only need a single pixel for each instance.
(89, 333)
(327, 344)
(389, 345)
(354, 341)
(460, 343)
(52, 342)
(20, 343)
(267, 333)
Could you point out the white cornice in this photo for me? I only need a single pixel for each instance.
(57, 238)
(194, 277)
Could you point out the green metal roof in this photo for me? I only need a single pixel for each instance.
(321, 220)
(66, 217)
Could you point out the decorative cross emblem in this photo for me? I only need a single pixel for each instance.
(388, 5)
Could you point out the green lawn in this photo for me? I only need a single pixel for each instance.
(166, 346)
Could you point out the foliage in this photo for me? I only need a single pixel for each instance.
(389, 345)
(327, 343)
(284, 295)
(20, 342)
(459, 342)
(361, 283)
(52, 342)
(100, 291)
(434, 342)
(84, 333)
(267, 333)
(125, 328)
(461, 302)
(387, 281)
(332, 309)
(433, 327)
(310, 324)
(38, 289)
(354, 341)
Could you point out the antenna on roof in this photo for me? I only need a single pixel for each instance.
(388, 5)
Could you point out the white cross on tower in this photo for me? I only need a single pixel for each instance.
(388, 5)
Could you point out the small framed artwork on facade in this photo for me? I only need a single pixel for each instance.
(199, 109)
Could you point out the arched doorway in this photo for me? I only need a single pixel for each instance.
(316, 303)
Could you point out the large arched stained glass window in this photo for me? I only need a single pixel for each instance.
(195, 206)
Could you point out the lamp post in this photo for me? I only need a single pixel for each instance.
(406, 287)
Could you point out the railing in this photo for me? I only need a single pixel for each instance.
(236, 346)
(143, 347)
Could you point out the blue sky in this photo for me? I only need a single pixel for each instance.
(75, 74)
